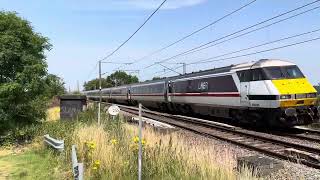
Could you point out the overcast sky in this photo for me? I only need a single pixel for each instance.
(82, 32)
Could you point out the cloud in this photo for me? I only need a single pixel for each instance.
(126, 5)
(170, 4)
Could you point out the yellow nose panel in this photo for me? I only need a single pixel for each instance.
(293, 86)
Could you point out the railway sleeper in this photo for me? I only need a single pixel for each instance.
(303, 155)
(260, 145)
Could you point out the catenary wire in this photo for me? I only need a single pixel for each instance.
(244, 29)
(259, 52)
(134, 32)
(192, 33)
(255, 46)
(254, 30)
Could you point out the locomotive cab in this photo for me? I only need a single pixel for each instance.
(280, 89)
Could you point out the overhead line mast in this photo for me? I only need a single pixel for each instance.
(100, 61)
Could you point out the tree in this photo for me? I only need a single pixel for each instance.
(157, 78)
(117, 78)
(94, 84)
(55, 86)
(23, 72)
(120, 78)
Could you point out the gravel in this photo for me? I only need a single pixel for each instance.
(291, 171)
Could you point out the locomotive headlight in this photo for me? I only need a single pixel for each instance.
(311, 95)
(285, 97)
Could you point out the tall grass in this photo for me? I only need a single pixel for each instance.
(53, 114)
(110, 152)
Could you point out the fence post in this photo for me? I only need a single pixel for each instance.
(140, 143)
(77, 168)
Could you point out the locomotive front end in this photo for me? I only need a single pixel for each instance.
(297, 97)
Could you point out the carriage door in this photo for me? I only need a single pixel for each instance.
(244, 77)
(168, 91)
(129, 94)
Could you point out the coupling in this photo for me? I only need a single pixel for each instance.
(291, 112)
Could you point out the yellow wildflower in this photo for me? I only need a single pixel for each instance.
(95, 168)
(91, 145)
(97, 163)
(114, 141)
(135, 139)
(143, 142)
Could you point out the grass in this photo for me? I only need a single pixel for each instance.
(110, 152)
(30, 165)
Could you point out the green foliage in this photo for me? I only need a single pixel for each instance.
(317, 88)
(94, 84)
(25, 85)
(156, 78)
(55, 86)
(121, 78)
(117, 78)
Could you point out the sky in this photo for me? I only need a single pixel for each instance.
(83, 32)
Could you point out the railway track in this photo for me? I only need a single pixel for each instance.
(252, 140)
(303, 136)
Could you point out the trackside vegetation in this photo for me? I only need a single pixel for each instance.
(110, 151)
(25, 85)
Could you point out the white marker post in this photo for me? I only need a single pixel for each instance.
(140, 143)
(113, 111)
(100, 94)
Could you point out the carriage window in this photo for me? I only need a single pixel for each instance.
(257, 75)
(244, 76)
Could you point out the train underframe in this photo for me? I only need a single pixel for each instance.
(271, 117)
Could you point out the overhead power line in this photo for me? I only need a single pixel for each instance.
(254, 30)
(244, 29)
(255, 46)
(134, 32)
(259, 52)
(267, 50)
(196, 31)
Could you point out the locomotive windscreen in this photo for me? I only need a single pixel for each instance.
(285, 72)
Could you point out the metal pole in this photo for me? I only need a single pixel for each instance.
(184, 68)
(100, 95)
(140, 144)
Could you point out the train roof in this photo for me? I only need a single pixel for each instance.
(263, 63)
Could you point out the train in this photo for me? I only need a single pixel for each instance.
(268, 92)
